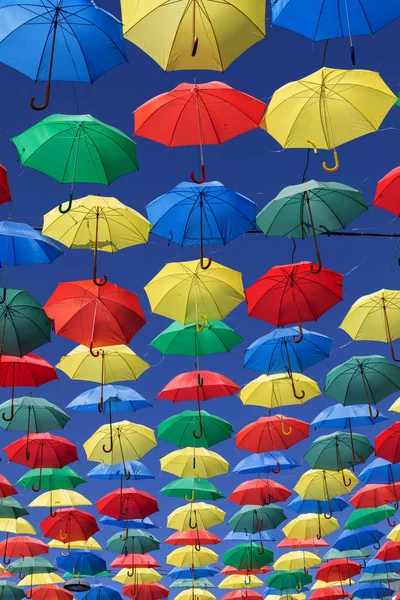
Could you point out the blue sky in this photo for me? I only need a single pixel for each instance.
(253, 165)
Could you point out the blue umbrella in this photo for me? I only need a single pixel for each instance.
(301, 506)
(346, 417)
(378, 566)
(102, 592)
(201, 583)
(82, 563)
(380, 471)
(132, 523)
(365, 536)
(241, 536)
(59, 40)
(196, 573)
(266, 462)
(20, 244)
(116, 398)
(366, 590)
(194, 215)
(136, 469)
(327, 19)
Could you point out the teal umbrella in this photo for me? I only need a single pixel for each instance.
(363, 380)
(178, 429)
(30, 565)
(305, 210)
(11, 509)
(248, 556)
(33, 415)
(356, 554)
(338, 451)
(192, 489)
(201, 583)
(252, 519)
(289, 581)
(10, 591)
(137, 542)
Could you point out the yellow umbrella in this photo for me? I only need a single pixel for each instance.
(40, 579)
(310, 525)
(125, 441)
(188, 556)
(328, 108)
(318, 484)
(395, 407)
(197, 515)
(58, 498)
(276, 391)
(97, 223)
(90, 544)
(193, 34)
(195, 594)
(185, 292)
(321, 585)
(194, 462)
(237, 582)
(294, 561)
(394, 534)
(375, 317)
(139, 576)
(19, 526)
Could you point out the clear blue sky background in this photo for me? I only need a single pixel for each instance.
(253, 165)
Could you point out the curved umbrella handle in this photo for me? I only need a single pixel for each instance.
(65, 552)
(204, 265)
(356, 458)
(197, 547)
(191, 526)
(37, 489)
(203, 176)
(52, 514)
(392, 352)
(246, 582)
(373, 416)
(62, 536)
(299, 587)
(262, 549)
(190, 499)
(313, 145)
(46, 100)
(64, 211)
(295, 339)
(317, 269)
(92, 352)
(377, 546)
(131, 573)
(10, 418)
(328, 515)
(288, 432)
(259, 524)
(295, 394)
(6, 560)
(391, 523)
(345, 483)
(200, 435)
(353, 56)
(336, 165)
(100, 282)
(277, 470)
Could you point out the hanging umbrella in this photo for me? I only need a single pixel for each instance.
(23, 324)
(370, 516)
(11, 509)
(254, 518)
(372, 495)
(374, 317)
(197, 515)
(70, 524)
(363, 537)
(99, 591)
(201, 583)
(301, 506)
(363, 380)
(52, 479)
(40, 579)
(386, 192)
(240, 582)
(387, 443)
(389, 551)
(135, 468)
(248, 556)
(271, 433)
(59, 498)
(266, 462)
(117, 363)
(6, 489)
(77, 585)
(377, 566)
(200, 594)
(134, 560)
(50, 592)
(346, 417)
(138, 523)
(259, 491)
(277, 391)
(242, 536)
(21, 545)
(294, 561)
(380, 471)
(5, 194)
(178, 429)
(388, 578)
(32, 565)
(87, 151)
(200, 537)
(17, 526)
(194, 462)
(185, 340)
(289, 580)
(293, 293)
(89, 544)
(305, 210)
(138, 541)
(298, 543)
(140, 576)
(323, 585)
(327, 109)
(187, 556)
(127, 503)
(240, 595)
(310, 525)
(198, 115)
(338, 450)
(317, 484)
(10, 591)
(356, 553)
(82, 561)
(117, 398)
(177, 573)
(338, 570)
(366, 590)
(192, 488)
(149, 591)
(193, 215)
(232, 571)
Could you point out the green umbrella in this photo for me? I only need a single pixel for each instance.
(11, 509)
(338, 451)
(289, 580)
(33, 415)
(192, 489)
(252, 518)
(372, 577)
(10, 591)
(201, 583)
(370, 516)
(136, 542)
(24, 325)
(52, 479)
(301, 211)
(31, 565)
(178, 429)
(363, 380)
(77, 149)
(186, 340)
(356, 554)
(248, 556)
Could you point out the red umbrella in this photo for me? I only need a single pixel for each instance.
(272, 433)
(127, 503)
(294, 543)
(373, 495)
(42, 450)
(149, 591)
(6, 489)
(290, 294)
(49, 592)
(331, 593)
(199, 537)
(259, 491)
(232, 571)
(387, 443)
(28, 371)
(198, 114)
(69, 525)
(242, 595)
(5, 195)
(4, 574)
(199, 386)
(388, 192)
(22, 546)
(340, 569)
(389, 551)
(94, 316)
(128, 561)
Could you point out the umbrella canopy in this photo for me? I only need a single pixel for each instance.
(52, 479)
(373, 495)
(178, 429)
(271, 433)
(194, 462)
(301, 506)
(317, 484)
(69, 525)
(99, 591)
(10, 591)
(201, 583)
(149, 591)
(387, 443)
(298, 543)
(60, 498)
(116, 398)
(248, 556)
(335, 451)
(34, 415)
(253, 518)
(276, 391)
(386, 191)
(346, 417)
(137, 541)
(265, 462)
(89, 544)
(293, 561)
(134, 560)
(356, 540)
(366, 590)
(200, 594)
(11, 508)
(135, 468)
(191, 488)
(20, 244)
(6, 489)
(234, 582)
(369, 516)
(82, 561)
(5, 194)
(289, 580)
(178, 573)
(129, 503)
(389, 551)
(22, 546)
(140, 576)
(139, 523)
(32, 565)
(259, 491)
(198, 385)
(338, 570)
(17, 526)
(198, 515)
(310, 525)
(380, 471)
(187, 556)
(50, 591)
(195, 538)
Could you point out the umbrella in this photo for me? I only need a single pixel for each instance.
(178, 573)
(89, 544)
(52, 479)
(178, 429)
(127, 441)
(248, 557)
(50, 591)
(187, 556)
(240, 595)
(277, 391)
(194, 462)
(201, 583)
(11, 509)
(195, 538)
(363, 537)
(259, 491)
(359, 554)
(183, 291)
(199, 386)
(366, 590)
(338, 570)
(345, 417)
(5, 195)
(65, 41)
(117, 398)
(21, 545)
(242, 536)
(289, 580)
(270, 434)
(293, 561)
(298, 543)
(200, 594)
(138, 523)
(376, 566)
(23, 324)
(389, 551)
(197, 515)
(127, 503)
(372, 495)
(266, 462)
(10, 591)
(149, 591)
(331, 593)
(318, 484)
(310, 525)
(135, 560)
(77, 585)
(293, 293)
(32, 565)
(305, 210)
(301, 506)
(232, 571)
(380, 471)
(76, 149)
(81, 561)
(6, 489)
(240, 582)
(99, 591)
(387, 443)
(135, 468)
(386, 192)
(59, 498)
(328, 108)
(140, 576)
(28, 371)
(195, 215)
(137, 541)
(374, 317)
(335, 451)
(198, 114)
(70, 524)
(197, 37)
(17, 526)
(192, 488)
(185, 340)
(254, 518)
(370, 516)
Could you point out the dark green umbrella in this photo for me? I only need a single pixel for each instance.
(248, 556)
(11, 509)
(253, 519)
(289, 581)
(52, 479)
(186, 340)
(338, 451)
(24, 325)
(31, 565)
(33, 415)
(10, 591)
(136, 542)
(305, 210)
(362, 517)
(363, 380)
(178, 429)
(192, 489)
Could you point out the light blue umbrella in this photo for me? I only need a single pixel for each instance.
(266, 462)
(301, 506)
(358, 554)
(378, 566)
(380, 471)
(346, 417)
(133, 523)
(136, 469)
(102, 592)
(59, 40)
(201, 583)
(241, 536)
(116, 398)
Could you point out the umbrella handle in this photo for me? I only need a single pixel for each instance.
(314, 147)
(62, 536)
(316, 270)
(353, 56)
(190, 499)
(191, 526)
(295, 394)
(131, 573)
(356, 458)
(53, 514)
(203, 176)
(277, 470)
(259, 523)
(390, 523)
(345, 483)
(198, 436)
(299, 587)
(34, 488)
(204, 323)
(96, 353)
(377, 546)
(262, 549)
(203, 265)
(197, 547)
(246, 582)
(373, 416)
(64, 211)
(65, 553)
(288, 432)
(297, 340)
(10, 418)
(46, 100)
(336, 165)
